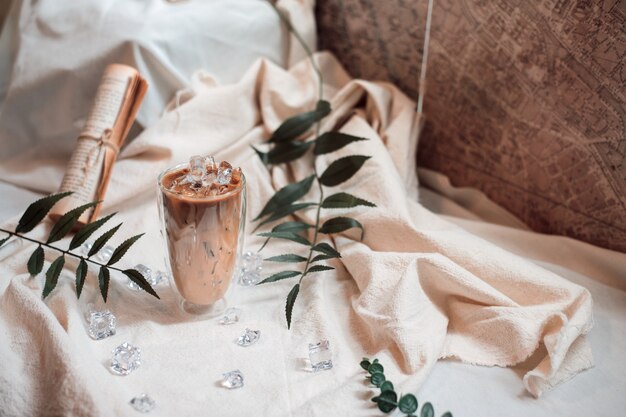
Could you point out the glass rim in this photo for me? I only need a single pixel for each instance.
(199, 198)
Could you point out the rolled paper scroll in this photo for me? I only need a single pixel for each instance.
(118, 98)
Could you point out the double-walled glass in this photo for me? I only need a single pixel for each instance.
(204, 239)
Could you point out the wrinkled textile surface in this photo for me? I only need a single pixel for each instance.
(416, 289)
(52, 54)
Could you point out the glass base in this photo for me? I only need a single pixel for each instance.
(207, 311)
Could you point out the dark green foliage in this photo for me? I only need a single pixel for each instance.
(387, 401)
(289, 143)
(332, 141)
(340, 224)
(291, 300)
(52, 275)
(139, 279)
(37, 211)
(345, 200)
(342, 169)
(87, 230)
(81, 274)
(102, 240)
(68, 221)
(104, 276)
(35, 262)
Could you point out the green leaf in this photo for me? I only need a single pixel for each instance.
(365, 363)
(342, 169)
(386, 386)
(288, 236)
(35, 262)
(344, 200)
(339, 224)
(287, 258)
(326, 249)
(291, 226)
(319, 268)
(291, 300)
(408, 404)
(322, 257)
(262, 155)
(81, 274)
(52, 275)
(377, 378)
(287, 195)
(37, 211)
(447, 414)
(427, 410)
(102, 240)
(104, 276)
(3, 241)
(286, 152)
(375, 367)
(87, 230)
(387, 401)
(332, 141)
(296, 125)
(286, 211)
(121, 250)
(68, 221)
(279, 276)
(136, 277)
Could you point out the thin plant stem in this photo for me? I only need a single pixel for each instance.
(317, 129)
(65, 252)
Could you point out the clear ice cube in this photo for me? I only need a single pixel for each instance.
(105, 254)
(126, 359)
(197, 168)
(250, 270)
(249, 337)
(86, 247)
(320, 356)
(224, 175)
(101, 324)
(231, 316)
(143, 403)
(233, 379)
(210, 163)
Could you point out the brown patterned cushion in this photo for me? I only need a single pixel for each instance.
(526, 100)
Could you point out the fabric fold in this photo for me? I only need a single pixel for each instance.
(417, 286)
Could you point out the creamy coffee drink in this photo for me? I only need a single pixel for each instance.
(203, 212)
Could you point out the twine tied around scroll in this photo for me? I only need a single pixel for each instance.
(103, 141)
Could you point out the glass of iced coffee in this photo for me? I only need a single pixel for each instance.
(203, 208)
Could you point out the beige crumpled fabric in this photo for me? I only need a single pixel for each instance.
(416, 288)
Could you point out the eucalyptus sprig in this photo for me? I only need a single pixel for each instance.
(286, 146)
(38, 210)
(387, 400)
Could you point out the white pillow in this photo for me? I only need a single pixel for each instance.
(53, 52)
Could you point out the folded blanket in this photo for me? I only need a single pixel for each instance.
(416, 288)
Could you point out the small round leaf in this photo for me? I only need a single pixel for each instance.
(375, 367)
(365, 364)
(386, 386)
(427, 410)
(387, 401)
(378, 378)
(408, 403)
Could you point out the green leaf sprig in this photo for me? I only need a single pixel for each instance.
(388, 400)
(38, 210)
(286, 146)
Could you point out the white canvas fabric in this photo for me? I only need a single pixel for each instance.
(418, 288)
(53, 53)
